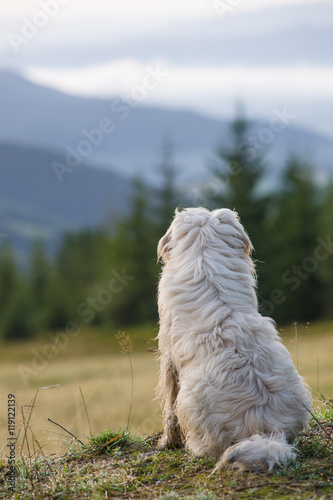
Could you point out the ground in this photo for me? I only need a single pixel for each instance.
(89, 387)
(116, 464)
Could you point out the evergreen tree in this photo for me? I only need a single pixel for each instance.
(17, 320)
(168, 198)
(81, 264)
(15, 305)
(76, 261)
(39, 285)
(292, 232)
(238, 176)
(134, 250)
(61, 307)
(326, 259)
(9, 277)
(239, 172)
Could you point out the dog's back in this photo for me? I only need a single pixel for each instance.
(235, 394)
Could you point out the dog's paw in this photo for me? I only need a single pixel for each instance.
(163, 443)
(169, 441)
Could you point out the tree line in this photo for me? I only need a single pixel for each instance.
(108, 278)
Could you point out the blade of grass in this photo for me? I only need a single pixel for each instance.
(66, 430)
(45, 458)
(36, 394)
(85, 408)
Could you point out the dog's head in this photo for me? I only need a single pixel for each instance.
(201, 227)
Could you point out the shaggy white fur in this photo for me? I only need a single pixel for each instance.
(228, 384)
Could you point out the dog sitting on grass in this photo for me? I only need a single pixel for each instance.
(228, 385)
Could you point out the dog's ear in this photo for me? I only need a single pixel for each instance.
(230, 217)
(164, 246)
(187, 229)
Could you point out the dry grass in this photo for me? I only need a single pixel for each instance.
(312, 352)
(105, 382)
(95, 365)
(94, 392)
(116, 464)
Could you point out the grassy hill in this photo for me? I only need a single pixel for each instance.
(116, 464)
(73, 406)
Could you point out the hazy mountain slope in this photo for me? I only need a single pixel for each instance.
(34, 204)
(40, 117)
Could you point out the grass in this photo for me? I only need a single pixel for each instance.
(118, 464)
(91, 364)
(73, 456)
(312, 353)
(105, 382)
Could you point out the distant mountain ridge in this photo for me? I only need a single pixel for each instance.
(66, 162)
(35, 205)
(37, 116)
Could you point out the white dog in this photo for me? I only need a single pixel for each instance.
(228, 385)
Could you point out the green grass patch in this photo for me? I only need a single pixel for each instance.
(118, 464)
(107, 442)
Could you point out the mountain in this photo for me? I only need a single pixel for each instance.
(35, 205)
(66, 162)
(132, 134)
(42, 117)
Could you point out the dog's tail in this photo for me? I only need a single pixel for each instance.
(257, 452)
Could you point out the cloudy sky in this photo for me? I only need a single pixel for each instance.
(209, 53)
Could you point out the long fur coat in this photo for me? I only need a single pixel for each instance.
(228, 385)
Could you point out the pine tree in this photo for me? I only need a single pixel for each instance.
(9, 277)
(238, 174)
(80, 267)
(39, 285)
(134, 249)
(326, 263)
(15, 305)
(18, 318)
(292, 233)
(168, 198)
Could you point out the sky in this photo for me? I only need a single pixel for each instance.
(172, 8)
(207, 54)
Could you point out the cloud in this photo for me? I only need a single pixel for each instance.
(126, 8)
(266, 37)
(265, 57)
(120, 76)
(306, 90)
